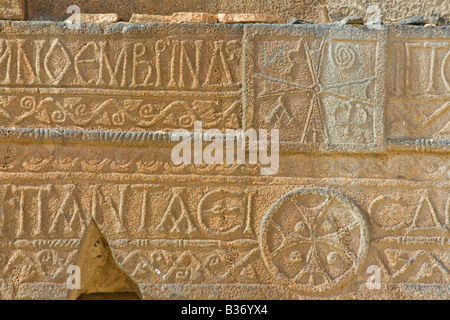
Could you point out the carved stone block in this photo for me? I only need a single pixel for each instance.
(419, 87)
(321, 86)
(172, 79)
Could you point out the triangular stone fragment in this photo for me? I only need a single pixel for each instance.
(101, 276)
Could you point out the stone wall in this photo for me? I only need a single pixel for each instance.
(87, 177)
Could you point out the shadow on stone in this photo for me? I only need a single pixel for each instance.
(101, 276)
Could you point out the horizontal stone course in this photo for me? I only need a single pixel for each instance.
(325, 86)
(56, 9)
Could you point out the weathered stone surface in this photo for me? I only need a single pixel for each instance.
(389, 11)
(363, 178)
(12, 10)
(313, 10)
(93, 18)
(247, 18)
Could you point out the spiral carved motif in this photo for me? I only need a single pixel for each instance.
(187, 121)
(82, 111)
(28, 103)
(344, 57)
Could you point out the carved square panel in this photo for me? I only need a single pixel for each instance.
(419, 86)
(322, 87)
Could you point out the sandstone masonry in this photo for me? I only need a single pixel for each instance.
(86, 116)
